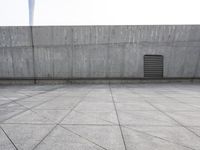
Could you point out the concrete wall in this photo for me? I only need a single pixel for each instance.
(97, 51)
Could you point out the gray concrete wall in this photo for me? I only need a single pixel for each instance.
(97, 51)
(15, 52)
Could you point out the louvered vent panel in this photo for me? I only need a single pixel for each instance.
(153, 66)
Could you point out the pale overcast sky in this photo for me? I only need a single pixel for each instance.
(101, 12)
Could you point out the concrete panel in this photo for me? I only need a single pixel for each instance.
(6, 63)
(5, 40)
(116, 60)
(44, 62)
(197, 71)
(177, 62)
(153, 33)
(53, 62)
(15, 36)
(84, 35)
(23, 62)
(98, 61)
(20, 36)
(47, 36)
(194, 34)
(191, 66)
(120, 34)
(81, 61)
(98, 51)
(132, 62)
(102, 34)
(62, 62)
(16, 62)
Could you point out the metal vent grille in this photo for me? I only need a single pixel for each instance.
(153, 66)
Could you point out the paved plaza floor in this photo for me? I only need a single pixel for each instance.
(100, 117)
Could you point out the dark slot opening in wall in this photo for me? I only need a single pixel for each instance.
(153, 66)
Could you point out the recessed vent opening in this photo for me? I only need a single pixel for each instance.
(153, 66)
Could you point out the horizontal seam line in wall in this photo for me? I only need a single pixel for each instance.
(144, 43)
(106, 78)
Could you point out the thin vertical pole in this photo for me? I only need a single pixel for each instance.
(31, 11)
(33, 55)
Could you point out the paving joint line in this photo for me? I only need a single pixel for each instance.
(9, 138)
(26, 97)
(175, 120)
(31, 108)
(28, 109)
(58, 124)
(84, 138)
(171, 118)
(154, 136)
(117, 117)
(128, 127)
(182, 102)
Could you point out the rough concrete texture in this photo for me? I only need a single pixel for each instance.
(102, 117)
(97, 51)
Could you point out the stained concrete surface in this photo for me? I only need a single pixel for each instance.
(103, 116)
(97, 51)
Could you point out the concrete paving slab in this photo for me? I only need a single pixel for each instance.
(98, 99)
(195, 129)
(3, 98)
(29, 117)
(106, 116)
(175, 135)
(99, 118)
(189, 100)
(106, 136)
(4, 102)
(62, 139)
(139, 141)
(11, 106)
(36, 98)
(187, 118)
(160, 99)
(7, 113)
(58, 104)
(175, 106)
(144, 118)
(4, 142)
(129, 99)
(95, 107)
(30, 104)
(134, 106)
(180, 95)
(26, 136)
(53, 115)
(12, 96)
